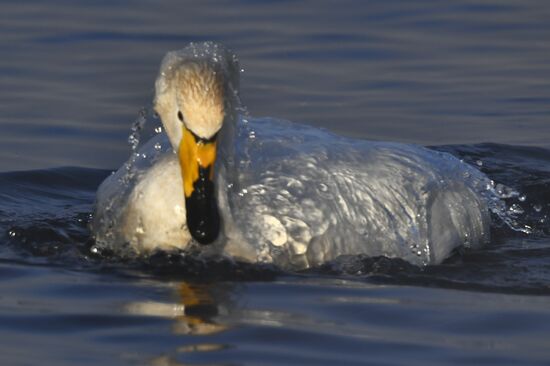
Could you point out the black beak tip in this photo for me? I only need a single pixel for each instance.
(203, 218)
(206, 234)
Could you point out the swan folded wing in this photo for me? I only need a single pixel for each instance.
(337, 197)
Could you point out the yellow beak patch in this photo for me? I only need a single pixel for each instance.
(195, 154)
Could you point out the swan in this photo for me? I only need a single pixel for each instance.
(218, 181)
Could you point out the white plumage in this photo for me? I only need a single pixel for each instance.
(288, 193)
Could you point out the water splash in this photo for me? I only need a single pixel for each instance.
(510, 193)
(137, 126)
(498, 197)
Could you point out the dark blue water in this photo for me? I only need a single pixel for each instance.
(465, 77)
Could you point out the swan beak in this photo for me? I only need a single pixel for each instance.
(197, 157)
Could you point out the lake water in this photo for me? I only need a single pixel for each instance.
(467, 77)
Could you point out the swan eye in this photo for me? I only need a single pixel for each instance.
(180, 116)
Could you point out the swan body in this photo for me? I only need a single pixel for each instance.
(286, 193)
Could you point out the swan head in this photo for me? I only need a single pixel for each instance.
(191, 102)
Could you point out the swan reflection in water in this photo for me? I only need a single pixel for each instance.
(194, 313)
(263, 190)
(197, 312)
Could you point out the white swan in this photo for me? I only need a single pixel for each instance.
(267, 190)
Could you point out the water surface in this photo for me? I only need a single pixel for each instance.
(463, 77)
